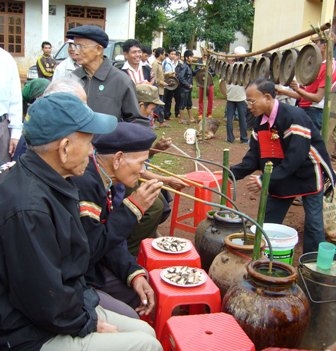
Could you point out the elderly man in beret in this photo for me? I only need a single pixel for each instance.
(45, 302)
(118, 158)
(108, 89)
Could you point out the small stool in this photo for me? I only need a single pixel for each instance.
(200, 210)
(150, 258)
(169, 296)
(214, 331)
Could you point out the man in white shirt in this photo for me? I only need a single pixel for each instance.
(168, 66)
(68, 65)
(10, 106)
(137, 71)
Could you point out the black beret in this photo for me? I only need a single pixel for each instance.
(127, 137)
(90, 32)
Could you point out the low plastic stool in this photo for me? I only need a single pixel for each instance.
(200, 210)
(169, 296)
(151, 258)
(214, 331)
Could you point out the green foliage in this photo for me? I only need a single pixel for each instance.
(150, 16)
(214, 21)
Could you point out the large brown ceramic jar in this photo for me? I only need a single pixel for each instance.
(272, 310)
(229, 266)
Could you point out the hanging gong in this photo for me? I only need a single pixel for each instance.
(172, 83)
(246, 74)
(213, 62)
(308, 64)
(200, 78)
(228, 75)
(217, 67)
(263, 67)
(254, 64)
(287, 66)
(222, 88)
(223, 71)
(275, 67)
(240, 73)
(234, 76)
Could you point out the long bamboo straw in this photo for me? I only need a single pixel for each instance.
(177, 192)
(204, 161)
(202, 186)
(212, 204)
(174, 175)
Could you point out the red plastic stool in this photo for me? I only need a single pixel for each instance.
(150, 258)
(214, 331)
(168, 297)
(200, 210)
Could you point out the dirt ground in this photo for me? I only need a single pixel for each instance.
(212, 150)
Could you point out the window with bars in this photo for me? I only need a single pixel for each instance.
(80, 15)
(12, 26)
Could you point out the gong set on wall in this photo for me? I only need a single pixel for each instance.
(281, 67)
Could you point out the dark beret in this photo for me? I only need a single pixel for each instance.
(90, 32)
(127, 137)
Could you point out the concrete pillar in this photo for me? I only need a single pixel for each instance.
(45, 19)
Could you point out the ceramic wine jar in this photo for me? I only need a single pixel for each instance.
(271, 309)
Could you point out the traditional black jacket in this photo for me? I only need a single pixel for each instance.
(301, 166)
(107, 229)
(44, 254)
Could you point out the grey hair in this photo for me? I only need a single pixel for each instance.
(64, 85)
(40, 149)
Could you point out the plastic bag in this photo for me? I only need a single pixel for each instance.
(329, 217)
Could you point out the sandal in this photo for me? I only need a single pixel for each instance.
(182, 121)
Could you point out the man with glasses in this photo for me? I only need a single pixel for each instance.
(108, 89)
(284, 135)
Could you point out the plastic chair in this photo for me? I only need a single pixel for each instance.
(214, 331)
(200, 210)
(151, 258)
(168, 297)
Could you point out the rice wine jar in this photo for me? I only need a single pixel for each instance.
(270, 307)
(229, 266)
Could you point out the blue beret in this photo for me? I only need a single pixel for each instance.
(89, 32)
(127, 137)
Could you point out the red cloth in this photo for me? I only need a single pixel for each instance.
(269, 143)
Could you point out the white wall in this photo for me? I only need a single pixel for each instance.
(119, 13)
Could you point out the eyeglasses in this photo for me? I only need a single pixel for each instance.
(250, 102)
(80, 47)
